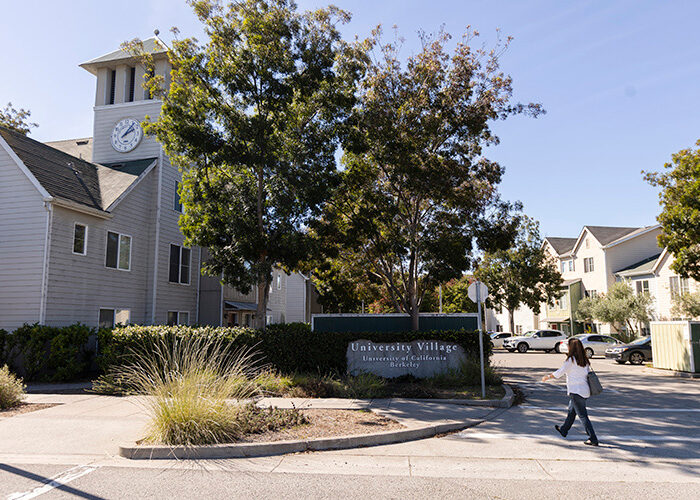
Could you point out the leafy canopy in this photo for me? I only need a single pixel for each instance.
(16, 119)
(253, 118)
(680, 215)
(523, 274)
(419, 196)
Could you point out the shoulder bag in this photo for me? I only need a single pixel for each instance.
(593, 382)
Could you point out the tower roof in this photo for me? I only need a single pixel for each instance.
(153, 45)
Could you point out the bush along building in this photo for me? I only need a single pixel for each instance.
(589, 265)
(90, 226)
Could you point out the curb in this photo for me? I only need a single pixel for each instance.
(505, 402)
(249, 450)
(670, 373)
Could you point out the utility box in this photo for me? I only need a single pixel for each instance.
(357, 323)
(675, 345)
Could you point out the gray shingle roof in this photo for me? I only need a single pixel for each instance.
(561, 245)
(80, 148)
(642, 267)
(606, 235)
(65, 176)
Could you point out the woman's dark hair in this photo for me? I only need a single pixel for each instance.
(577, 353)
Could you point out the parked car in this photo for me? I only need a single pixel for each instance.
(497, 339)
(543, 340)
(636, 352)
(594, 344)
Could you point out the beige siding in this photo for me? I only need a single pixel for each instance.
(79, 285)
(670, 345)
(296, 298)
(173, 296)
(22, 237)
(632, 251)
(106, 117)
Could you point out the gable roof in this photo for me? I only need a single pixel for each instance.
(73, 179)
(561, 245)
(645, 266)
(606, 234)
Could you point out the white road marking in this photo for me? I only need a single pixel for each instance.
(621, 410)
(55, 482)
(557, 388)
(505, 435)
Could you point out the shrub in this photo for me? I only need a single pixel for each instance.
(468, 374)
(272, 383)
(288, 348)
(365, 386)
(190, 380)
(11, 389)
(254, 420)
(43, 352)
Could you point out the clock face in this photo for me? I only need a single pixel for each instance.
(126, 135)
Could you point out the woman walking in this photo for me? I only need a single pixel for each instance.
(576, 368)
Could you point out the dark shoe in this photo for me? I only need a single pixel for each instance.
(590, 443)
(563, 434)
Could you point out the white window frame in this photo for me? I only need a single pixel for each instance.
(114, 312)
(279, 281)
(85, 240)
(571, 265)
(178, 313)
(588, 265)
(119, 247)
(179, 266)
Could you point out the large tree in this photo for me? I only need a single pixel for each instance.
(252, 118)
(680, 215)
(523, 274)
(419, 196)
(16, 119)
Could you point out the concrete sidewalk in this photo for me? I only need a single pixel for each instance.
(89, 426)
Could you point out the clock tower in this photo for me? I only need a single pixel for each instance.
(121, 104)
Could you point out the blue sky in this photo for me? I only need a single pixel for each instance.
(619, 81)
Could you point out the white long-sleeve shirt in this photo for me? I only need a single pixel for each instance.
(576, 378)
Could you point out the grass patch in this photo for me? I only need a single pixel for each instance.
(11, 389)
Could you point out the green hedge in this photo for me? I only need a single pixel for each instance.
(289, 347)
(40, 352)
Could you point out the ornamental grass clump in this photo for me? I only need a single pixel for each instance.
(195, 386)
(11, 389)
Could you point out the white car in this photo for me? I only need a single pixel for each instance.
(594, 344)
(497, 339)
(542, 340)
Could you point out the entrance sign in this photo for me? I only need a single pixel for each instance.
(420, 358)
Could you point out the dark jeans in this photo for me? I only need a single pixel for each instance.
(577, 406)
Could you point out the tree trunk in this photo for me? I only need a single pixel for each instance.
(511, 320)
(261, 311)
(414, 318)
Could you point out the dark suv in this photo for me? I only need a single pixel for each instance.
(636, 352)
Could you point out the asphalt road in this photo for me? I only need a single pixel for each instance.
(648, 426)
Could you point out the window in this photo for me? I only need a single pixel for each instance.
(132, 84)
(591, 293)
(112, 86)
(179, 265)
(518, 329)
(111, 317)
(588, 243)
(80, 239)
(177, 204)
(642, 286)
(178, 318)
(563, 266)
(588, 265)
(678, 285)
(571, 265)
(499, 328)
(118, 251)
(279, 281)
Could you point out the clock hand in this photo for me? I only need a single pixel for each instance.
(131, 127)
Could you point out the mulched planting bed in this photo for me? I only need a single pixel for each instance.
(329, 423)
(25, 408)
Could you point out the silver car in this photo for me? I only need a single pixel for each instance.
(594, 344)
(497, 339)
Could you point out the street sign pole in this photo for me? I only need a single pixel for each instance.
(481, 339)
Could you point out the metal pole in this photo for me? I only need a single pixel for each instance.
(440, 295)
(481, 338)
